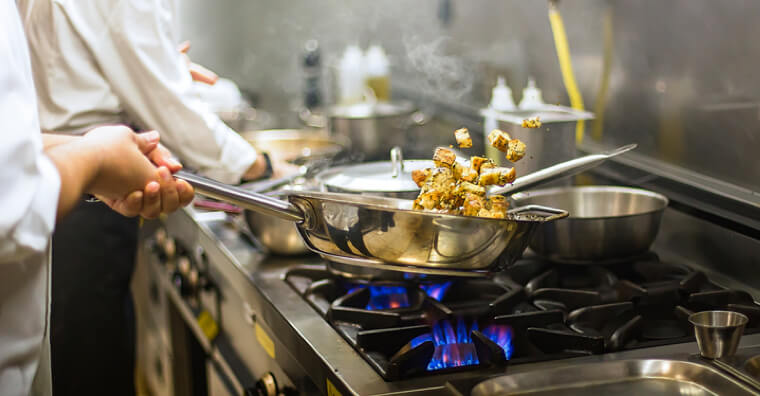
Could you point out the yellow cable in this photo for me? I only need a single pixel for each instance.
(566, 67)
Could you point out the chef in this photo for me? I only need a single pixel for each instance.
(115, 61)
(43, 176)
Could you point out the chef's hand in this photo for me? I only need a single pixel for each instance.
(198, 72)
(126, 180)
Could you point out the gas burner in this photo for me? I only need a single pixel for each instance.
(412, 325)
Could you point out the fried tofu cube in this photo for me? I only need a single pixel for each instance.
(420, 175)
(499, 139)
(498, 206)
(473, 204)
(466, 188)
(531, 123)
(464, 173)
(499, 176)
(516, 150)
(444, 157)
(428, 200)
(476, 162)
(463, 138)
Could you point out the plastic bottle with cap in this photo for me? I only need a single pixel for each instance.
(377, 69)
(501, 100)
(351, 81)
(501, 96)
(531, 98)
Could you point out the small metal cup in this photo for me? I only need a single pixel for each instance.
(718, 332)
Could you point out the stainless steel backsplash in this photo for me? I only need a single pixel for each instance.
(683, 81)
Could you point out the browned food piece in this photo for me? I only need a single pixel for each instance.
(498, 175)
(463, 138)
(465, 188)
(488, 165)
(476, 162)
(516, 150)
(464, 173)
(498, 206)
(531, 123)
(473, 204)
(427, 200)
(441, 179)
(499, 139)
(444, 157)
(419, 176)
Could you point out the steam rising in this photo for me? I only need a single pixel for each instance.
(439, 74)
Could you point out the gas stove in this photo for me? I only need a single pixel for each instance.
(536, 310)
(299, 324)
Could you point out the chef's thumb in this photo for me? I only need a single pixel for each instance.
(148, 141)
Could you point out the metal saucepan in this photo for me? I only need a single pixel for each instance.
(385, 233)
(373, 128)
(606, 223)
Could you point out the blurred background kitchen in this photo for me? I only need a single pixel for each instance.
(679, 78)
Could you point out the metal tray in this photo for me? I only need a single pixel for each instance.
(623, 377)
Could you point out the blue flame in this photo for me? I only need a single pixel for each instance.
(384, 297)
(436, 290)
(454, 348)
(501, 335)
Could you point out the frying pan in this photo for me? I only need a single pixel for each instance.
(385, 233)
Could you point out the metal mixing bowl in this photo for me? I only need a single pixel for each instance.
(605, 222)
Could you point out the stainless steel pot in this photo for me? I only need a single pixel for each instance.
(605, 222)
(373, 128)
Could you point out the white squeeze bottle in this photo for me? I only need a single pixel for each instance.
(378, 72)
(501, 101)
(351, 82)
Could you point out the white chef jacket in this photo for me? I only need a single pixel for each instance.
(28, 200)
(110, 61)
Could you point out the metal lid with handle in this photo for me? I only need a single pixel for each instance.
(381, 176)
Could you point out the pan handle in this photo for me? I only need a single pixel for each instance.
(559, 171)
(554, 214)
(241, 197)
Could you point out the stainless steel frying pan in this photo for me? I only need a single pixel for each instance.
(385, 233)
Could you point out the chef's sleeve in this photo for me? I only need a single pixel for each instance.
(139, 57)
(29, 182)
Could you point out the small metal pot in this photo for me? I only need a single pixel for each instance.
(373, 128)
(605, 222)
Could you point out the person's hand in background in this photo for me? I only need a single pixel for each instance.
(198, 72)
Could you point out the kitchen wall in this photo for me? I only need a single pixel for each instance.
(682, 76)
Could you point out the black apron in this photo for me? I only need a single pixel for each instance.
(92, 331)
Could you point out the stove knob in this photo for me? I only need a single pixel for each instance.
(267, 386)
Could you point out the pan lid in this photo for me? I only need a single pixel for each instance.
(381, 176)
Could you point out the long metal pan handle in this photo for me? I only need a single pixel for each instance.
(243, 198)
(559, 171)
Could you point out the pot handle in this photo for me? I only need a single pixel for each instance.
(397, 162)
(553, 214)
(243, 198)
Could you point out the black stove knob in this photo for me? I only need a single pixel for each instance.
(266, 386)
